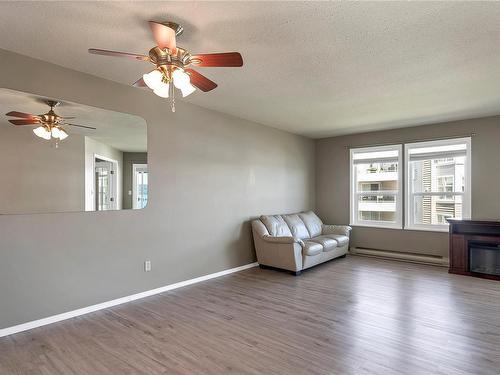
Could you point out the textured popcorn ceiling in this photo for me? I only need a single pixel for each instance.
(316, 69)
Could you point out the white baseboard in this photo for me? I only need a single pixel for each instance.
(104, 305)
(406, 257)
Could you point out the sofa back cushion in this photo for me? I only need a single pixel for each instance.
(275, 225)
(296, 225)
(312, 222)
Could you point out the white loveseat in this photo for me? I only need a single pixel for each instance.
(295, 242)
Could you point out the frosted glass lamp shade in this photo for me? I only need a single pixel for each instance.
(188, 90)
(162, 90)
(182, 81)
(181, 78)
(153, 79)
(42, 132)
(55, 132)
(62, 134)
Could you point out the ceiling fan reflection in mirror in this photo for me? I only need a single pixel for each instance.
(51, 125)
(173, 63)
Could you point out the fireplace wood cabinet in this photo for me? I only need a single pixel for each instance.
(481, 238)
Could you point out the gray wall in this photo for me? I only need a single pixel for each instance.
(210, 174)
(130, 158)
(332, 181)
(36, 176)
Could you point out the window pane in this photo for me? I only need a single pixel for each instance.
(377, 216)
(438, 175)
(376, 176)
(435, 209)
(375, 185)
(377, 208)
(437, 182)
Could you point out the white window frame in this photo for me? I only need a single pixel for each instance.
(354, 195)
(409, 195)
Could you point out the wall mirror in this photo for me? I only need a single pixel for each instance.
(59, 156)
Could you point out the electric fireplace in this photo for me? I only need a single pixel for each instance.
(475, 248)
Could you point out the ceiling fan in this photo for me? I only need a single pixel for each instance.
(51, 124)
(173, 63)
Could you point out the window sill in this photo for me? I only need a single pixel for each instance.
(428, 229)
(395, 226)
(417, 229)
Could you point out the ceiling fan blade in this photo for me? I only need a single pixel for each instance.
(81, 126)
(226, 59)
(20, 114)
(106, 52)
(163, 35)
(139, 83)
(67, 118)
(33, 121)
(200, 81)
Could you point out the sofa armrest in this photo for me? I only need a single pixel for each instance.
(283, 240)
(336, 229)
(280, 252)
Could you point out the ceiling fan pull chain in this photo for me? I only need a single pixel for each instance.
(172, 95)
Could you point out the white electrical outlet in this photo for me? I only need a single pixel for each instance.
(147, 266)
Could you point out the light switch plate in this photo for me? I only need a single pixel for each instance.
(147, 266)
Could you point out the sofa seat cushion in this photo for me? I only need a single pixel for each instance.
(312, 248)
(275, 225)
(342, 240)
(312, 222)
(327, 242)
(297, 226)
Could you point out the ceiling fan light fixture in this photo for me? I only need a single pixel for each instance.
(162, 90)
(153, 79)
(42, 132)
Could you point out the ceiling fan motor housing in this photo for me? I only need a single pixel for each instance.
(166, 58)
(167, 61)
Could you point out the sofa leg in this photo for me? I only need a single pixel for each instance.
(296, 273)
(343, 256)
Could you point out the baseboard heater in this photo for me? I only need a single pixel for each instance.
(396, 255)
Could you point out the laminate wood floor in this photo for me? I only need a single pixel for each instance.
(351, 316)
